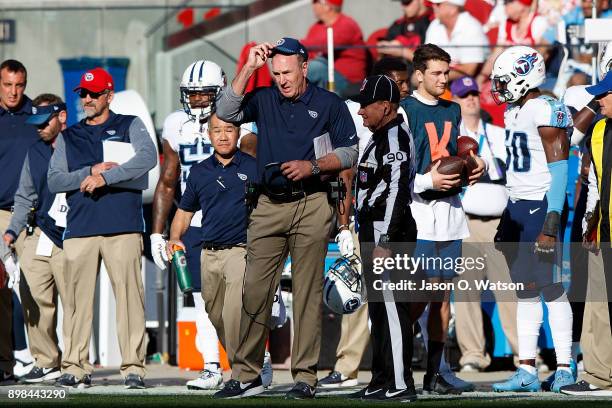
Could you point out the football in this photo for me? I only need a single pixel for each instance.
(464, 145)
(470, 165)
(448, 165)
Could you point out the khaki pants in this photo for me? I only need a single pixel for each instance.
(6, 313)
(301, 228)
(222, 275)
(596, 340)
(468, 313)
(41, 281)
(354, 334)
(122, 256)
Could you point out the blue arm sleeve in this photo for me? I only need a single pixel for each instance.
(556, 194)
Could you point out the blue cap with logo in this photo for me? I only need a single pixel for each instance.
(603, 87)
(41, 114)
(290, 46)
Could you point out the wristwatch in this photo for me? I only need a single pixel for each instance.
(383, 241)
(315, 167)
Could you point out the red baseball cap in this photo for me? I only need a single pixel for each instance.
(334, 2)
(96, 80)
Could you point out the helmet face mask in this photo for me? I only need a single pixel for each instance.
(202, 78)
(516, 71)
(342, 289)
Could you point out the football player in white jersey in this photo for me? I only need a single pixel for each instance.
(185, 143)
(538, 131)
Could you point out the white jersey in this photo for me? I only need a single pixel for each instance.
(527, 172)
(190, 140)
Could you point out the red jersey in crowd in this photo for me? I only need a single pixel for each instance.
(351, 62)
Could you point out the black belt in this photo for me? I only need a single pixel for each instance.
(294, 191)
(219, 247)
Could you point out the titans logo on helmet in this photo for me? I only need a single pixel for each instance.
(525, 64)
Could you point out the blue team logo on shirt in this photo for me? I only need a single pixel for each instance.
(525, 64)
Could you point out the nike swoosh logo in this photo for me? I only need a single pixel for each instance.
(529, 383)
(393, 394)
(244, 386)
(531, 212)
(352, 137)
(372, 392)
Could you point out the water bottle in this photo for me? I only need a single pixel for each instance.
(179, 260)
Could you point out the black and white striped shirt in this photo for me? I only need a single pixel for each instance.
(385, 175)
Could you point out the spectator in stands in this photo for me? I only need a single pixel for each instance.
(455, 31)
(408, 31)
(350, 63)
(520, 25)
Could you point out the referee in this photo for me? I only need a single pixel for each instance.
(385, 174)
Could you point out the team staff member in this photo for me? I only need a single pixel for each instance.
(596, 341)
(483, 204)
(293, 214)
(42, 257)
(436, 206)
(385, 174)
(15, 138)
(104, 222)
(217, 187)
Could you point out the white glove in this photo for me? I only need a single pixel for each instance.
(158, 250)
(12, 268)
(345, 242)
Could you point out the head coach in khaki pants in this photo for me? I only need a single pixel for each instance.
(41, 257)
(105, 223)
(293, 214)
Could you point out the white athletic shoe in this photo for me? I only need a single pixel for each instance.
(210, 379)
(266, 371)
(22, 368)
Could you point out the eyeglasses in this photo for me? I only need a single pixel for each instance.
(93, 95)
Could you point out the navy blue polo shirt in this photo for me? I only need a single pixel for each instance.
(286, 129)
(219, 192)
(15, 138)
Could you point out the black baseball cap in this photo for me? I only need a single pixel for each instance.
(41, 114)
(290, 46)
(378, 88)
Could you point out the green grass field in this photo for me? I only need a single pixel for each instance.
(185, 401)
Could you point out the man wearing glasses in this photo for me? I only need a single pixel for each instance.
(105, 222)
(42, 257)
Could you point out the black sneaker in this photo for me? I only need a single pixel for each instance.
(404, 395)
(6, 377)
(134, 382)
(436, 384)
(38, 374)
(70, 381)
(584, 388)
(235, 389)
(301, 390)
(367, 393)
(336, 379)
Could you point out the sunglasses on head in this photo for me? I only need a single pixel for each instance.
(93, 95)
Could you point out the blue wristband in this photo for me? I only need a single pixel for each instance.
(558, 183)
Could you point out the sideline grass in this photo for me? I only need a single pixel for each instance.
(186, 401)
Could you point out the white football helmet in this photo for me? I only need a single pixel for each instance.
(516, 71)
(342, 286)
(201, 76)
(605, 62)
